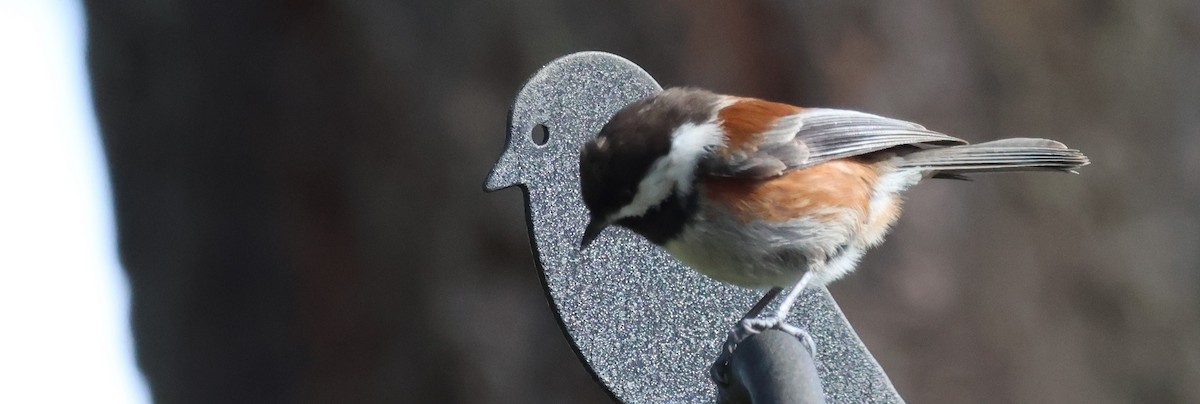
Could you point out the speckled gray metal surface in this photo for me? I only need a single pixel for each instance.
(646, 326)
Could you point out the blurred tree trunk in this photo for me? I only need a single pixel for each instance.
(272, 173)
(297, 187)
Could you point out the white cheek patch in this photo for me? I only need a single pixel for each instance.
(688, 144)
(674, 171)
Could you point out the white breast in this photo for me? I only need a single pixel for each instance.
(765, 255)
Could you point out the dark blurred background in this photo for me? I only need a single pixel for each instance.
(298, 189)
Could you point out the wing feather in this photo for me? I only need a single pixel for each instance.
(817, 135)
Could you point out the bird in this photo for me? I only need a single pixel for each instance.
(768, 195)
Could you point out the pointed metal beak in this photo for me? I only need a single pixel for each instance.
(593, 230)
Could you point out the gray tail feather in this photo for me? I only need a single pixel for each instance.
(1016, 154)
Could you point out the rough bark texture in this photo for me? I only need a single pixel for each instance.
(298, 197)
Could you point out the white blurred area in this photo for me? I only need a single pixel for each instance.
(64, 328)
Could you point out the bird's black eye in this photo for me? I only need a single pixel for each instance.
(540, 134)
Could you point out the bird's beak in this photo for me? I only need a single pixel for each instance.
(593, 230)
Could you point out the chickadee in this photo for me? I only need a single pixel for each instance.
(767, 195)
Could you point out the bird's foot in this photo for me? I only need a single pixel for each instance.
(747, 328)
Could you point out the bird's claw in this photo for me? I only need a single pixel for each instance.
(746, 329)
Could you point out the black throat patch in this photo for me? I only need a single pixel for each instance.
(662, 223)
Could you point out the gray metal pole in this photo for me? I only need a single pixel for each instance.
(772, 367)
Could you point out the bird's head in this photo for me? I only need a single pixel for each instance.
(638, 171)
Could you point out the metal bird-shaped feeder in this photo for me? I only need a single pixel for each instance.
(645, 325)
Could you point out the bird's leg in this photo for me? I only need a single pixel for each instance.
(743, 329)
(750, 324)
(779, 321)
(756, 325)
(739, 333)
(790, 300)
(762, 303)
